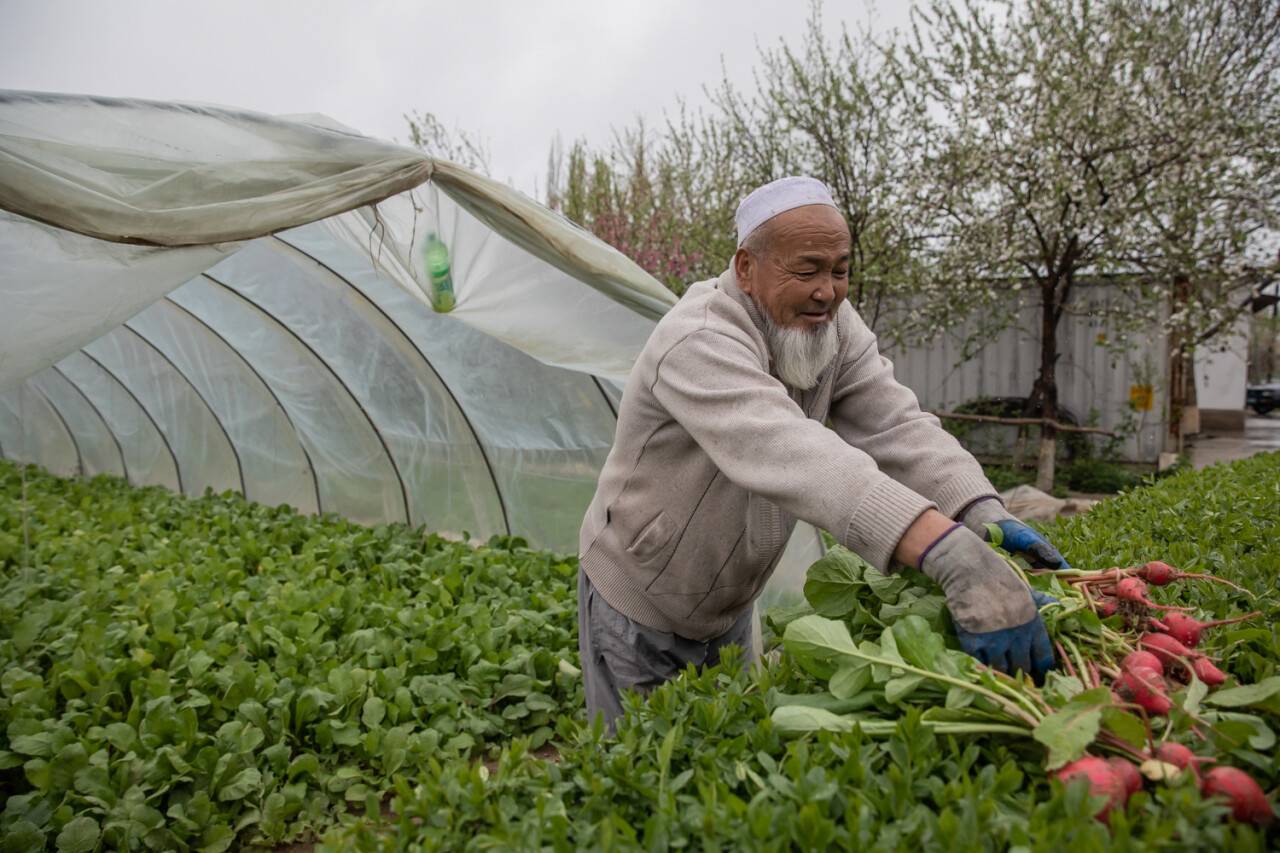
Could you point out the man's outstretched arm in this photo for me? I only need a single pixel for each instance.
(874, 412)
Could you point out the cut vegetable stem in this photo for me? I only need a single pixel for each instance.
(1011, 708)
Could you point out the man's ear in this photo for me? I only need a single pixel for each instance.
(744, 268)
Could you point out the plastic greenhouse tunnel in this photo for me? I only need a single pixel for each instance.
(201, 297)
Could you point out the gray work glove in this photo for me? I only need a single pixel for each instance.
(996, 619)
(1014, 536)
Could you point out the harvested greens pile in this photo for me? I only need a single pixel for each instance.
(1131, 682)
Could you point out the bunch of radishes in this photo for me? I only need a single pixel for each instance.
(1124, 591)
(1166, 635)
(1117, 779)
(1164, 645)
(1170, 635)
(1141, 679)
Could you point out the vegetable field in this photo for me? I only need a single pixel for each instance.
(211, 674)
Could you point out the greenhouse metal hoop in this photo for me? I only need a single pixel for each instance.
(115, 439)
(484, 454)
(404, 492)
(315, 480)
(231, 444)
(177, 469)
(65, 426)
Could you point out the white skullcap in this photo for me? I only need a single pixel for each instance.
(776, 197)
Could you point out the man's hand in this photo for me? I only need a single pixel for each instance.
(1010, 534)
(996, 618)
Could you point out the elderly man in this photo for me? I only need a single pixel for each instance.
(722, 444)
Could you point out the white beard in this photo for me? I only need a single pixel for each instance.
(800, 355)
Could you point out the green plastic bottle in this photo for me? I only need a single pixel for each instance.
(435, 256)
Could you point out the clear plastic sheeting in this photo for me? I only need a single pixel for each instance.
(99, 453)
(273, 464)
(552, 238)
(148, 458)
(278, 339)
(70, 289)
(355, 478)
(613, 393)
(786, 585)
(31, 430)
(418, 424)
(169, 174)
(544, 432)
(501, 289)
(206, 459)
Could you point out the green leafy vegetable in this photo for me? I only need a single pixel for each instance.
(1070, 730)
(835, 583)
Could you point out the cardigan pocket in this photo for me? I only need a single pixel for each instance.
(653, 537)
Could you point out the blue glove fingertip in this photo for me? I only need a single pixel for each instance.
(1019, 538)
(1043, 599)
(1019, 659)
(1023, 648)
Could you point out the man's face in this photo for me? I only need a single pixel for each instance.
(802, 275)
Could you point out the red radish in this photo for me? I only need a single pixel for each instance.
(1167, 649)
(1174, 654)
(1178, 755)
(1186, 629)
(1107, 607)
(1207, 672)
(1147, 689)
(1160, 574)
(1142, 658)
(1128, 774)
(1134, 591)
(1103, 781)
(1248, 802)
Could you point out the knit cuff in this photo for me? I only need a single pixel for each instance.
(980, 514)
(959, 492)
(964, 510)
(881, 519)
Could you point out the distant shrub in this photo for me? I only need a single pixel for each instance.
(1097, 475)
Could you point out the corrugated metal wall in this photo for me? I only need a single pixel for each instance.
(1091, 378)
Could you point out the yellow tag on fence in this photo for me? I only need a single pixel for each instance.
(1140, 397)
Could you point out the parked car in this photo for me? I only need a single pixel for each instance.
(1262, 398)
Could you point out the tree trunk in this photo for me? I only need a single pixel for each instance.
(1180, 372)
(1047, 460)
(1046, 387)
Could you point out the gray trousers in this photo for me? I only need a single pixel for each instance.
(620, 654)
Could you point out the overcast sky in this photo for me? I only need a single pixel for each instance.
(514, 73)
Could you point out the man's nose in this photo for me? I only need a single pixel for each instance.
(824, 290)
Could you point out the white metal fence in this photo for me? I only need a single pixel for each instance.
(1094, 382)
